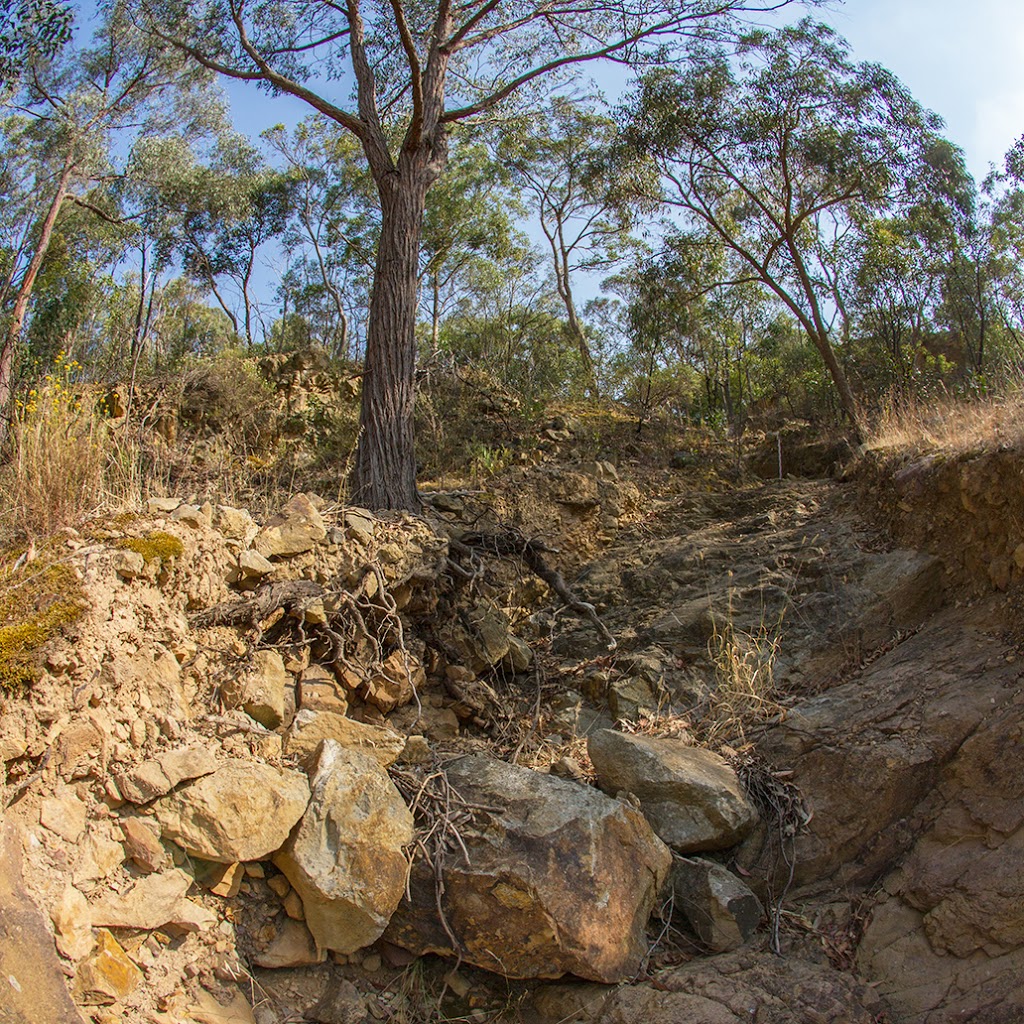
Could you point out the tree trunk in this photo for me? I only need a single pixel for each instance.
(384, 476)
(22, 300)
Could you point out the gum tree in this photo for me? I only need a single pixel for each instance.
(782, 153)
(412, 70)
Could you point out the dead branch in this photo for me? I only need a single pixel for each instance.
(257, 606)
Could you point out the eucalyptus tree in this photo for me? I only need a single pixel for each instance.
(559, 158)
(778, 148)
(61, 135)
(29, 29)
(417, 69)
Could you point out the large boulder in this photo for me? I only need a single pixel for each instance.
(243, 811)
(346, 858)
(691, 796)
(558, 878)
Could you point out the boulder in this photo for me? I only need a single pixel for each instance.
(691, 797)
(298, 527)
(310, 728)
(243, 811)
(158, 776)
(559, 879)
(720, 909)
(346, 858)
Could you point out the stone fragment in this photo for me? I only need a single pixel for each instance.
(129, 565)
(99, 855)
(296, 528)
(361, 525)
(292, 904)
(78, 748)
(346, 858)
(162, 506)
(310, 728)
(158, 776)
(691, 797)
(226, 880)
(64, 814)
(416, 751)
(560, 879)
(719, 907)
(108, 976)
(208, 1009)
(72, 924)
(149, 903)
(519, 657)
(142, 844)
(481, 639)
(341, 1003)
(191, 516)
(253, 565)
(293, 946)
(234, 523)
(243, 811)
(319, 691)
(259, 689)
(32, 987)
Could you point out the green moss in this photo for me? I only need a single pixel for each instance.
(157, 544)
(36, 603)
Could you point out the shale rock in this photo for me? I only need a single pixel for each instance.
(158, 776)
(559, 879)
(691, 797)
(346, 859)
(296, 528)
(310, 728)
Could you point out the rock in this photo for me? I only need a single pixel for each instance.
(722, 911)
(400, 677)
(208, 1009)
(736, 988)
(78, 747)
(519, 657)
(346, 857)
(481, 639)
(416, 751)
(243, 811)
(158, 776)
(341, 1003)
(162, 506)
(191, 516)
(296, 528)
(98, 856)
(560, 879)
(310, 728)
(142, 844)
(259, 689)
(228, 880)
(319, 691)
(253, 565)
(151, 902)
(234, 523)
(72, 924)
(293, 946)
(129, 565)
(361, 525)
(32, 988)
(64, 814)
(108, 976)
(691, 797)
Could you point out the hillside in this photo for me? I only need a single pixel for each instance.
(659, 738)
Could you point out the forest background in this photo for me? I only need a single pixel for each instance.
(751, 221)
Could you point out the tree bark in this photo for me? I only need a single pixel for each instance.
(384, 475)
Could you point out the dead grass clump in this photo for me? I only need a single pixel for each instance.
(63, 462)
(743, 694)
(952, 424)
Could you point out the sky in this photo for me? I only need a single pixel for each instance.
(964, 59)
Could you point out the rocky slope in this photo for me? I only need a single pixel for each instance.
(788, 793)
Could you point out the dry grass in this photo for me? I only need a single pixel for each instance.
(64, 462)
(952, 424)
(744, 692)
